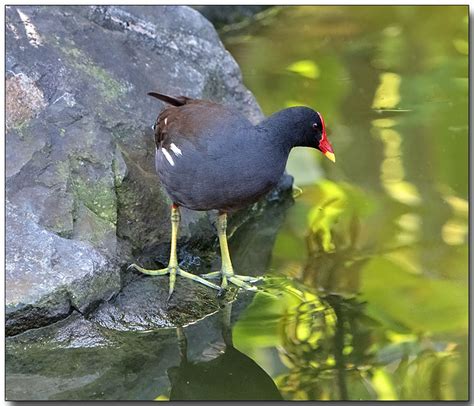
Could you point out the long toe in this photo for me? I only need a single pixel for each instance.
(211, 275)
(250, 279)
(244, 282)
(241, 284)
(154, 272)
(197, 278)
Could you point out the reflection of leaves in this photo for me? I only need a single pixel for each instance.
(333, 348)
(410, 293)
(426, 376)
(323, 218)
(326, 341)
(334, 241)
(338, 203)
(404, 300)
(396, 351)
(305, 68)
(461, 45)
(259, 324)
(387, 95)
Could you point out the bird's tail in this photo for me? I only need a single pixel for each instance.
(173, 100)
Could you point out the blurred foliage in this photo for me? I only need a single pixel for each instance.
(331, 349)
(358, 321)
(372, 262)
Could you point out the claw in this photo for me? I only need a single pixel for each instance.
(221, 293)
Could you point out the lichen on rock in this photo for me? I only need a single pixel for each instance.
(23, 100)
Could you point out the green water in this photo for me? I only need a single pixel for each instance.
(374, 254)
(371, 261)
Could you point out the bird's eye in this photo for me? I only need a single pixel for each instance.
(315, 126)
(153, 127)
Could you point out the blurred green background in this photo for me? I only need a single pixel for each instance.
(373, 257)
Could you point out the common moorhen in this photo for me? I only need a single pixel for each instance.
(210, 156)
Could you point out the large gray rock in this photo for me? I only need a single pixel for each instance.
(84, 199)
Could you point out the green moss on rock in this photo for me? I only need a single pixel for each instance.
(98, 197)
(106, 84)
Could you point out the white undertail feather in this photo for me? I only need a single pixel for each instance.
(167, 155)
(175, 149)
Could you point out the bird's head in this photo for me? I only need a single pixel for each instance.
(311, 130)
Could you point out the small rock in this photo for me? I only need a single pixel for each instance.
(48, 276)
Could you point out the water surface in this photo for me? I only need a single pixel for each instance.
(374, 253)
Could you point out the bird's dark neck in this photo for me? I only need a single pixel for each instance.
(284, 127)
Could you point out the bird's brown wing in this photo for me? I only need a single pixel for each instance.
(188, 117)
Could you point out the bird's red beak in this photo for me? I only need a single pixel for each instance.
(326, 148)
(324, 145)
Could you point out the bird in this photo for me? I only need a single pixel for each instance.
(209, 156)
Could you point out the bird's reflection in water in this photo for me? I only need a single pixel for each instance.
(230, 376)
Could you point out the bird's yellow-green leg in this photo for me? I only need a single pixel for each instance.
(227, 271)
(173, 269)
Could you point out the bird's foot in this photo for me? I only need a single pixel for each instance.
(241, 281)
(172, 271)
(244, 282)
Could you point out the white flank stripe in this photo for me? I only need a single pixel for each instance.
(166, 120)
(175, 149)
(168, 156)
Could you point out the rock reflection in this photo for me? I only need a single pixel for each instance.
(229, 375)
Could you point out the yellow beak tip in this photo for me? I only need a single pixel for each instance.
(330, 156)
